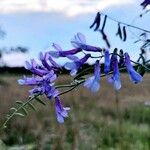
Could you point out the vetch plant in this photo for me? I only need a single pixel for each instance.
(106, 63)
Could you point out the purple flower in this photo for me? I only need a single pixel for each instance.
(60, 53)
(61, 111)
(35, 68)
(106, 62)
(115, 78)
(30, 81)
(93, 83)
(48, 62)
(74, 66)
(79, 41)
(145, 3)
(134, 76)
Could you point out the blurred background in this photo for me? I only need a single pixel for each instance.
(95, 120)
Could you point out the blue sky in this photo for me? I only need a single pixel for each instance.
(36, 24)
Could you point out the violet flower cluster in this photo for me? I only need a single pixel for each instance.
(46, 72)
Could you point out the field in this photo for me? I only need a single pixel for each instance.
(96, 121)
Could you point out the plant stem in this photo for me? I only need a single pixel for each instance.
(22, 106)
(119, 117)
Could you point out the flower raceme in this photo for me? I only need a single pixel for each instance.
(47, 71)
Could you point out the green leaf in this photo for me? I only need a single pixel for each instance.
(13, 109)
(4, 126)
(25, 111)
(20, 114)
(7, 116)
(40, 101)
(32, 106)
(19, 102)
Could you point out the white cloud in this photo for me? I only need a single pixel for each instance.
(67, 7)
(15, 59)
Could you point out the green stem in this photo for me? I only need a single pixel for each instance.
(22, 106)
(119, 116)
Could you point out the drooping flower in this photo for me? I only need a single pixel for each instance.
(61, 111)
(106, 62)
(76, 65)
(93, 83)
(79, 41)
(115, 78)
(145, 3)
(134, 76)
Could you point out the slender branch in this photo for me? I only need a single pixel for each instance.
(141, 65)
(129, 25)
(72, 88)
(147, 61)
(63, 86)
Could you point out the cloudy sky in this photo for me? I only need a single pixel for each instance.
(36, 24)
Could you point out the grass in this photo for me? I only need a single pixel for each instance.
(93, 122)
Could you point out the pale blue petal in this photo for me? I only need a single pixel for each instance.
(81, 38)
(75, 44)
(95, 86)
(41, 56)
(57, 47)
(64, 113)
(89, 82)
(54, 54)
(73, 72)
(70, 65)
(72, 57)
(117, 84)
(21, 81)
(60, 118)
(135, 77)
(28, 65)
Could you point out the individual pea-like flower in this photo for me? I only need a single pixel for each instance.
(61, 111)
(93, 83)
(106, 62)
(76, 65)
(145, 3)
(134, 76)
(79, 41)
(60, 53)
(115, 78)
(35, 68)
(48, 62)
